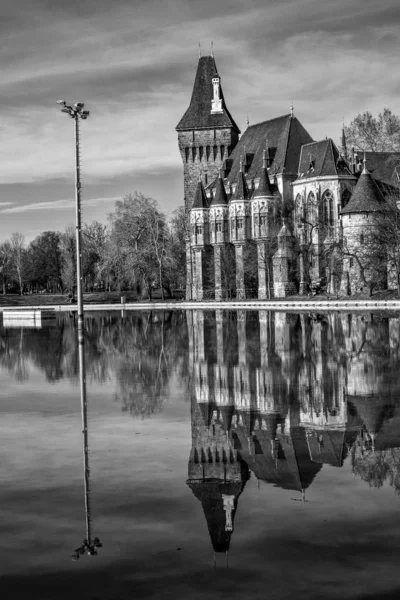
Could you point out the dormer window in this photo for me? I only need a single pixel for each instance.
(216, 102)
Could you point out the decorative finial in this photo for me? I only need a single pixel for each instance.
(212, 49)
(220, 173)
(264, 159)
(241, 164)
(365, 170)
(247, 121)
(292, 110)
(199, 50)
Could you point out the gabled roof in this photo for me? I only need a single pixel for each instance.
(220, 198)
(366, 196)
(200, 199)
(198, 115)
(285, 135)
(320, 159)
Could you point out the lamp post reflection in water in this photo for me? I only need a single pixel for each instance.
(90, 543)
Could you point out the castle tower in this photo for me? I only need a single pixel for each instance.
(216, 474)
(206, 136)
(362, 221)
(281, 264)
(219, 235)
(240, 224)
(265, 207)
(200, 235)
(206, 133)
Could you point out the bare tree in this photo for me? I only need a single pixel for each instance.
(380, 134)
(18, 258)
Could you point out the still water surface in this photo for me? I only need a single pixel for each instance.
(232, 455)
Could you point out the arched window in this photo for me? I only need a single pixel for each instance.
(345, 197)
(298, 203)
(194, 153)
(201, 150)
(187, 150)
(311, 207)
(327, 209)
(215, 151)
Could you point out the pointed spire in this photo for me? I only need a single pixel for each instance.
(264, 187)
(220, 198)
(242, 191)
(292, 110)
(199, 50)
(200, 199)
(212, 48)
(247, 121)
(344, 142)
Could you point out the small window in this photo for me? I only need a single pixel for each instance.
(187, 151)
(199, 229)
(201, 150)
(263, 220)
(222, 152)
(193, 153)
(361, 238)
(215, 151)
(351, 262)
(218, 226)
(240, 223)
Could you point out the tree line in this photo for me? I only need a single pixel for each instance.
(138, 249)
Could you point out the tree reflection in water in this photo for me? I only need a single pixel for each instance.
(276, 394)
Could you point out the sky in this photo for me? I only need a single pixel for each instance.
(133, 62)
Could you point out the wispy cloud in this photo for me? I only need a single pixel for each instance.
(65, 204)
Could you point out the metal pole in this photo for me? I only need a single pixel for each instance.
(78, 227)
(82, 379)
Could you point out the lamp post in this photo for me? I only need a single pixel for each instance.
(76, 112)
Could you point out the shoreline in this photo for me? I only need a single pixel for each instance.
(273, 305)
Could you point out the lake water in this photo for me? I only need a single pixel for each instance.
(233, 454)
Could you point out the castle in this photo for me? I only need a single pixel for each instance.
(263, 209)
(268, 402)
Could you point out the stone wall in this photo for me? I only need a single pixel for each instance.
(203, 152)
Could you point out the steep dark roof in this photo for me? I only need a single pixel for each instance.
(366, 196)
(284, 135)
(381, 165)
(264, 187)
(327, 446)
(198, 115)
(220, 197)
(241, 191)
(200, 199)
(320, 159)
(210, 494)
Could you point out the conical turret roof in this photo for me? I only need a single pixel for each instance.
(220, 198)
(210, 494)
(242, 191)
(198, 115)
(200, 199)
(366, 196)
(264, 187)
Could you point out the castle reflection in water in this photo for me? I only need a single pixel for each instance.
(280, 395)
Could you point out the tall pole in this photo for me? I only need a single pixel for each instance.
(78, 228)
(85, 432)
(89, 544)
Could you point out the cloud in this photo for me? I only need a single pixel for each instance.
(64, 204)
